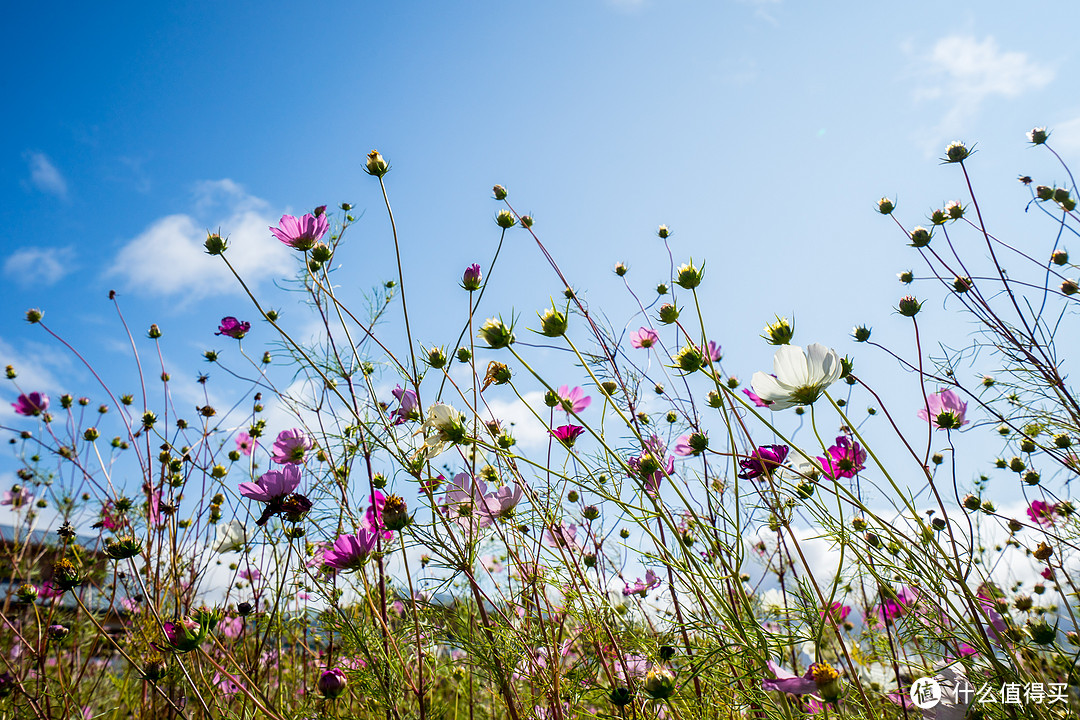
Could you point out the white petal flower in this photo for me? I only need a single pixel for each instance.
(443, 425)
(231, 537)
(801, 376)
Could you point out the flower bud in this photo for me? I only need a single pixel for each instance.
(920, 237)
(1059, 257)
(1069, 287)
(661, 289)
(91, 434)
(620, 269)
(553, 323)
(885, 206)
(65, 575)
(505, 219)
(1043, 552)
(33, 315)
(436, 358)
(471, 278)
(1037, 136)
(909, 306)
(500, 192)
(668, 313)
(27, 592)
(780, 332)
(659, 683)
(496, 334)
(376, 166)
(58, 632)
(954, 210)
(1044, 192)
(861, 333)
(961, 284)
(956, 152)
(463, 354)
(155, 670)
(971, 502)
(552, 399)
(688, 277)
(609, 387)
(321, 253)
(395, 513)
(1041, 632)
(713, 399)
(689, 359)
(244, 609)
(663, 232)
(215, 244)
(123, 548)
(526, 221)
(938, 217)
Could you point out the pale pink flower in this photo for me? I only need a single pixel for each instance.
(945, 411)
(644, 338)
(573, 401)
(290, 447)
(301, 233)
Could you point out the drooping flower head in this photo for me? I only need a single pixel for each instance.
(231, 327)
(573, 400)
(31, 405)
(763, 461)
(301, 233)
(845, 459)
(644, 338)
(799, 376)
(290, 447)
(945, 411)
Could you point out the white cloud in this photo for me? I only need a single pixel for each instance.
(39, 266)
(964, 72)
(44, 175)
(168, 258)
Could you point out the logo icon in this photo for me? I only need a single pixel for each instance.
(925, 693)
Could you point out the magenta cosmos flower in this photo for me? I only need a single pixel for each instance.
(290, 447)
(567, 434)
(945, 411)
(301, 233)
(408, 405)
(16, 497)
(642, 587)
(763, 461)
(231, 327)
(644, 338)
(31, 405)
(573, 401)
(1042, 513)
(845, 459)
(350, 551)
(652, 464)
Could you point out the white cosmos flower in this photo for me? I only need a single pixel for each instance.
(801, 376)
(231, 537)
(443, 425)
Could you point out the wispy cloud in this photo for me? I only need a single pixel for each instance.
(44, 175)
(963, 73)
(168, 258)
(39, 266)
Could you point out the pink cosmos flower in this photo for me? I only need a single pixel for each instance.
(892, 608)
(231, 627)
(231, 327)
(644, 338)
(407, 405)
(845, 459)
(31, 405)
(245, 445)
(1047, 573)
(251, 575)
(373, 518)
(786, 682)
(272, 485)
(763, 461)
(574, 401)
(227, 685)
(561, 536)
(838, 611)
(567, 434)
(642, 587)
(290, 447)
(714, 351)
(1042, 513)
(302, 233)
(350, 551)
(471, 278)
(16, 497)
(755, 399)
(945, 411)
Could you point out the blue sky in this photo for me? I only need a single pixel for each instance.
(761, 132)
